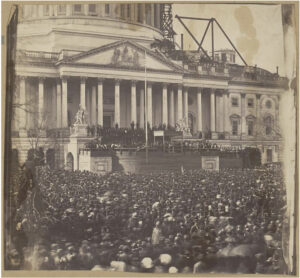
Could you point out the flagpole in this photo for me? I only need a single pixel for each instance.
(146, 109)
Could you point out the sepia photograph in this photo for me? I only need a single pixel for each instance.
(149, 137)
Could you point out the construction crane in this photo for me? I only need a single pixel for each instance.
(210, 23)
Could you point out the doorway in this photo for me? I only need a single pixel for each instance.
(70, 162)
(269, 156)
(107, 121)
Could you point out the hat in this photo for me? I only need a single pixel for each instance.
(165, 259)
(173, 269)
(147, 263)
(97, 267)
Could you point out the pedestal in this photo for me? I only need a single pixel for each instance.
(214, 135)
(79, 130)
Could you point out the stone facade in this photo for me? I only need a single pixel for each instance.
(95, 56)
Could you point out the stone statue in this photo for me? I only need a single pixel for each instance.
(80, 116)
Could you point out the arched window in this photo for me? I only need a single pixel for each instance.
(268, 104)
(70, 162)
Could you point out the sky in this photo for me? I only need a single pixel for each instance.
(255, 30)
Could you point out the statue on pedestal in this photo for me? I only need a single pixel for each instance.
(80, 116)
(80, 125)
(182, 125)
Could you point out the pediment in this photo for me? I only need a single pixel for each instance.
(124, 54)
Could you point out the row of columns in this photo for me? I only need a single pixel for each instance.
(153, 11)
(182, 103)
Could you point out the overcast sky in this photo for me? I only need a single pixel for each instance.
(256, 31)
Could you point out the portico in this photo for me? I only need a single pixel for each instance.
(120, 102)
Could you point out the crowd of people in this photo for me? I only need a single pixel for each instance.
(203, 145)
(169, 222)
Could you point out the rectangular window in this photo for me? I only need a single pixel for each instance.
(250, 102)
(234, 102)
(46, 9)
(61, 9)
(92, 8)
(77, 8)
(250, 128)
(106, 8)
(234, 127)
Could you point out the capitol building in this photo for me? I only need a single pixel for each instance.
(102, 58)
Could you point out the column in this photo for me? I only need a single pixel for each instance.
(226, 114)
(51, 10)
(16, 109)
(258, 107)
(64, 103)
(68, 10)
(88, 105)
(100, 101)
(179, 103)
(41, 114)
(199, 110)
(212, 111)
(133, 12)
(82, 92)
(152, 14)
(165, 104)
(220, 114)
(158, 15)
(143, 13)
(186, 105)
(117, 102)
(58, 103)
(54, 106)
(172, 114)
(149, 104)
(142, 108)
(133, 102)
(243, 108)
(22, 98)
(93, 105)
(85, 9)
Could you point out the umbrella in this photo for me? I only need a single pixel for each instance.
(224, 252)
(243, 250)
